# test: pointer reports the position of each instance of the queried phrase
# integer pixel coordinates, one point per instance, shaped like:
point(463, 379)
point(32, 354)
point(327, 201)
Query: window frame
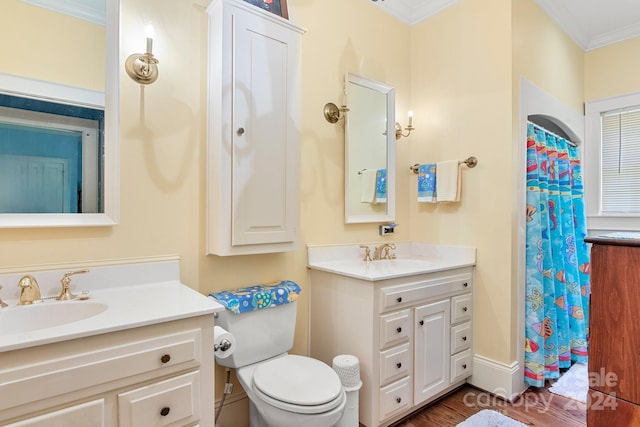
point(596, 219)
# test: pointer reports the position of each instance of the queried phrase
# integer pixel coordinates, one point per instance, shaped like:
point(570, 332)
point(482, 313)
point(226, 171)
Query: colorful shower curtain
point(557, 259)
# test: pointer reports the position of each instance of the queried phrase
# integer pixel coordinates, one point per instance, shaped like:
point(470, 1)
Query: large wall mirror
point(59, 137)
point(370, 150)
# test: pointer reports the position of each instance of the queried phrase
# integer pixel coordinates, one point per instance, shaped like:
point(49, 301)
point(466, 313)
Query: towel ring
point(471, 163)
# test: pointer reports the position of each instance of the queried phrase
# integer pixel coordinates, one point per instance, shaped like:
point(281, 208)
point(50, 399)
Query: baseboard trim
point(500, 379)
point(235, 411)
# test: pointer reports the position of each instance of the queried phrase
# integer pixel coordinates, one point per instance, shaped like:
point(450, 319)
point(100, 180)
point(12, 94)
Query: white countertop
point(131, 305)
point(411, 259)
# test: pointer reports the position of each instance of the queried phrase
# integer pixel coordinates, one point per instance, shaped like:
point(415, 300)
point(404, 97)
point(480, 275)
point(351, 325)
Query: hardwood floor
point(536, 407)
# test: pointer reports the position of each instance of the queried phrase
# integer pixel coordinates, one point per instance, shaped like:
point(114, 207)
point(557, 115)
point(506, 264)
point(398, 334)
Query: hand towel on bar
point(381, 186)
point(368, 185)
point(427, 183)
point(449, 181)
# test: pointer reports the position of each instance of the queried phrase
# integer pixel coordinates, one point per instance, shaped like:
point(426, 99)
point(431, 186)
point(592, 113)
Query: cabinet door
point(265, 146)
point(432, 355)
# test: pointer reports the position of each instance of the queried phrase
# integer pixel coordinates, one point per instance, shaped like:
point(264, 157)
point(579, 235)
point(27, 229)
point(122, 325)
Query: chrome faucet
point(386, 248)
point(30, 291)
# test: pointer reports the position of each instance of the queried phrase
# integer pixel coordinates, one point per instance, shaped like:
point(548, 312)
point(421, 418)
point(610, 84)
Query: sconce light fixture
point(409, 127)
point(143, 67)
point(333, 113)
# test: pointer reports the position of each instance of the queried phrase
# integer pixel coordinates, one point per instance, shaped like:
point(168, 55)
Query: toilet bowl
point(291, 390)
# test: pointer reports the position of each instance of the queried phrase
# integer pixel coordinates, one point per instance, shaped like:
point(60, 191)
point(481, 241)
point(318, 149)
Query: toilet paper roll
point(224, 343)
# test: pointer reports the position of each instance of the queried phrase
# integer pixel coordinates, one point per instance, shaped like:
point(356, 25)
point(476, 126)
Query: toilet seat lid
point(297, 380)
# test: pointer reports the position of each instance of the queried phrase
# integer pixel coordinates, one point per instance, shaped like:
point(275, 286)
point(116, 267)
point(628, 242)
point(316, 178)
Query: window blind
point(621, 161)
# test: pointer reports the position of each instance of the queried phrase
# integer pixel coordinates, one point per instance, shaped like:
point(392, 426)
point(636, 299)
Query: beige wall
point(612, 70)
point(461, 94)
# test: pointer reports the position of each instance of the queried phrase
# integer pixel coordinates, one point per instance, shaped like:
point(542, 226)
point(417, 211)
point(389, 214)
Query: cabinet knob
point(465, 285)
point(399, 365)
point(398, 399)
point(464, 309)
point(240, 131)
point(464, 338)
point(398, 329)
point(165, 358)
point(421, 322)
point(399, 299)
point(464, 366)
point(165, 411)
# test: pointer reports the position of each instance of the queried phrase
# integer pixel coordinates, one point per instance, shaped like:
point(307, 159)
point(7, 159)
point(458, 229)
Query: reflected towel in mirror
point(448, 184)
point(368, 185)
point(427, 183)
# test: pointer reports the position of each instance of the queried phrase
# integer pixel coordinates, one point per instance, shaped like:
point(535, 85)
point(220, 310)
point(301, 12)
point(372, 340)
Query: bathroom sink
point(49, 314)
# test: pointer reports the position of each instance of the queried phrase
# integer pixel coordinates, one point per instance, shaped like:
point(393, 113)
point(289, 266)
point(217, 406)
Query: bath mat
point(573, 384)
point(490, 418)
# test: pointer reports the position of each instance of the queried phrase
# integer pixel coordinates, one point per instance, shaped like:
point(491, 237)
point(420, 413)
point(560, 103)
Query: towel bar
point(471, 162)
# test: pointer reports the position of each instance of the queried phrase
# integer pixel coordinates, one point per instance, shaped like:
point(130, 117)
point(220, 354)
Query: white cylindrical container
point(348, 369)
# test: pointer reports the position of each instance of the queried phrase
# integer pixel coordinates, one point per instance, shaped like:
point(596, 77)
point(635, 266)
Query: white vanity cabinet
point(411, 334)
point(253, 142)
point(157, 375)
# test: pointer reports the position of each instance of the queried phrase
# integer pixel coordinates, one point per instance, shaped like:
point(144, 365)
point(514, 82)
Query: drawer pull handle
point(165, 411)
point(399, 365)
point(398, 329)
point(398, 399)
point(421, 323)
point(464, 366)
point(165, 358)
point(464, 338)
point(399, 299)
point(240, 131)
point(464, 309)
point(465, 285)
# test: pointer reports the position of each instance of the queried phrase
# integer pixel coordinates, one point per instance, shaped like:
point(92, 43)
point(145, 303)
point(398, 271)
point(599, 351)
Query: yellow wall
point(461, 94)
point(44, 45)
point(612, 70)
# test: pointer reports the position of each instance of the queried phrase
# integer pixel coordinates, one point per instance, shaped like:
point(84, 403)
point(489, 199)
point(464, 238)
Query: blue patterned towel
point(427, 183)
point(381, 186)
point(259, 296)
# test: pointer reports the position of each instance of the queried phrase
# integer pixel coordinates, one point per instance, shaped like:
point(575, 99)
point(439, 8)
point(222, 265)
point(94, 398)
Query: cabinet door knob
point(398, 329)
point(399, 365)
point(465, 284)
point(464, 366)
point(464, 338)
point(240, 131)
point(421, 322)
point(464, 309)
point(165, 358)
point(165, 411)
point(398, 399)
point(399, 299)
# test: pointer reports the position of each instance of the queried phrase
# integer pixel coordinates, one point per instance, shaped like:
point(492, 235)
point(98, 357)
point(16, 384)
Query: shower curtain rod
point(571, 143)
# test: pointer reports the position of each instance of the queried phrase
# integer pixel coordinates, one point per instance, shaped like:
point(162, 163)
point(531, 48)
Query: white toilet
point(284, 390)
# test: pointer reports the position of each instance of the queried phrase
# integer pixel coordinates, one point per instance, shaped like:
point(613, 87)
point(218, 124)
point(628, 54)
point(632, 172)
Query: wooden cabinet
point(412, 336)
point(160, 375)
point(614, 347)
point(253, 141)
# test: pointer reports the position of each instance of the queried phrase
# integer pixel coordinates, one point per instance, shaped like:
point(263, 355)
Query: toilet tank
point(262, 333)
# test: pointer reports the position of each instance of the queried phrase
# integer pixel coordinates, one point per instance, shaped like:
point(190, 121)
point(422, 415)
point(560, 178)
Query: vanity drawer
point(394, 296)
point(460, 337)
point(91, 413)
point(461, 366)
point(395, 363)
point(461, 308)
point(395, 327)
point(171, 402)
point(395, 398)
point(120, 362)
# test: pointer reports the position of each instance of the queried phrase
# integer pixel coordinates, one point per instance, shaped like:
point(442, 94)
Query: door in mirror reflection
point(370, 151)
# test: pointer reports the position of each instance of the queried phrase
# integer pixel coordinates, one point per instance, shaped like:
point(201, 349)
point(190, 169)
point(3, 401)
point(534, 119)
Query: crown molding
point(411, 11)
point(88, 10)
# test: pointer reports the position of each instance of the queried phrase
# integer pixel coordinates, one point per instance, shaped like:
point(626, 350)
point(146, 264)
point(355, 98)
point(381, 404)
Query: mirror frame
point(111, 214)
point(390, 93)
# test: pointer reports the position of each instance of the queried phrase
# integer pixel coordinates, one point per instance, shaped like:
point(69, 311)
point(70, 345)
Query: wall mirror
point(369, 150)
point(59, 136)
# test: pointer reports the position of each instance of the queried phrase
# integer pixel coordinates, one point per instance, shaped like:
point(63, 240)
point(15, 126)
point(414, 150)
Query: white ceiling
point(590, 23)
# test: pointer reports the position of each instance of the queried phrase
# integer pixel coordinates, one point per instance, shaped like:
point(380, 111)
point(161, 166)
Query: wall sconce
point(143, 67)
point(333, 113)
point(409, 127)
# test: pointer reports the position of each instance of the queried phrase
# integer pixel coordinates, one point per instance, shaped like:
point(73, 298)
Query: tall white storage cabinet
point(253, 146)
